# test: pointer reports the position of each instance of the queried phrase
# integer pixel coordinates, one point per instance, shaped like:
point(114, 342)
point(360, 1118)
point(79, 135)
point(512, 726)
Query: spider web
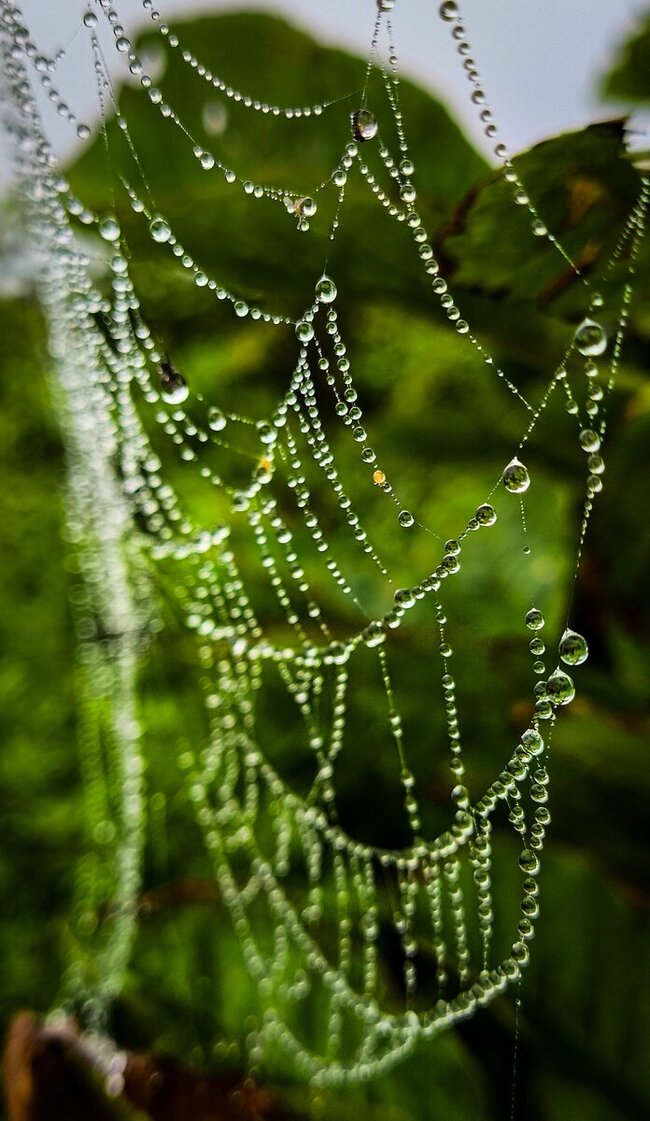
point(315, 907)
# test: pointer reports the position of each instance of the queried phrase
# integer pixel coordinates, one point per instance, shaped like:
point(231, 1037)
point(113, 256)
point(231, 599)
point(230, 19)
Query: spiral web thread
point(112, 382)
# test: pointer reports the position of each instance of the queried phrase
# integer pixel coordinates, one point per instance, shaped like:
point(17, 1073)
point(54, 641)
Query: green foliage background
point(447, 429)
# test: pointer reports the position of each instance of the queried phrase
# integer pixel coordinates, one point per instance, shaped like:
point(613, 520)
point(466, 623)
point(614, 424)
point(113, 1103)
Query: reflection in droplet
point(173, 387)
point(573, 649)
point(560, 689)
point(363, 124)
point(486, 514)
point(374, 634)
point(159, 229)
point(325, 290)
point(109, 229)
point(216, 419)
point(267, 433)
point(449, 10)
point(515, 477)
point(589, 440)
point(590, 339)
point(534, 619)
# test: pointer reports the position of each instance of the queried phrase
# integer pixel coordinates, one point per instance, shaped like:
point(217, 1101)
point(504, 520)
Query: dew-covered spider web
point(283, 596)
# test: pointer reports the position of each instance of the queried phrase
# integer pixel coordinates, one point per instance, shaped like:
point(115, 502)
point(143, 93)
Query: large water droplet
point(404, 597)
point(515, 477)
point(90, 19)
point(267, 433)
point(534, 619)
point(573, 649)
point(406, 519)
point(173, 386)
point(590, 339)
point(338, 653)
point(374, 634)
point(159, 229)
point(532, 741)
point(363, 124)
point(216, 419)
point(109, 229)
point(449, 10)
point(529, 862)
point(560, 689)
point(486, 514)
point(326, 290)
point(306, 207)
point(304, 331)
point(589, 440)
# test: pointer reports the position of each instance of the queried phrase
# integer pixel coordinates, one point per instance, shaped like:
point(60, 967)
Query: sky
point(539, 59)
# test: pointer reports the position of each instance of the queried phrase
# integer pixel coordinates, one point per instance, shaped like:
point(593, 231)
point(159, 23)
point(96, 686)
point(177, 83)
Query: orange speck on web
point(378, 477)
point(265, 463)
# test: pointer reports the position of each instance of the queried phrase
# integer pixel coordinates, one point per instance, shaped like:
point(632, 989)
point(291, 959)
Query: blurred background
point(446, 429)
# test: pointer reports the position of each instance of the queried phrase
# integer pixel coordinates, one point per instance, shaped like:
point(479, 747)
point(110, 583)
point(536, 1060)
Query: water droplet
point(305, 207)
point(532, 741)
point(530, 907)
point(408, 193)
point(123, 44)
point(534, 619)
point(536, 647)
point(449, 10)
point(83, 132)
point(304, 331)
point(207, 161)
point(590, 339)
point(486, 514)
point(406, 519)
point(385, 5)
point(325, 290)
point(573, 649)
point(338, 653)
point(560, 688)
point(173, 387)
point(596, 463)
point(374, 634)
point(339, 177)
point(267, 433)
point(363, 124)
point(589, 440)
point(216, 419)
point(404, 597)
point(109, 229)
point(159, 229)
point(515, 477)
point(90, 19)
point(529, 862)
point(241, 308)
